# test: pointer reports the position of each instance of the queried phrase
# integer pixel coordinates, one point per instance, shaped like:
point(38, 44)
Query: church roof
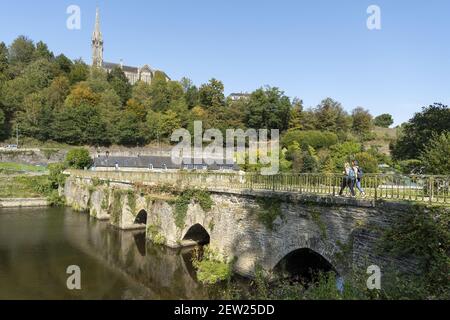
point(110, 66)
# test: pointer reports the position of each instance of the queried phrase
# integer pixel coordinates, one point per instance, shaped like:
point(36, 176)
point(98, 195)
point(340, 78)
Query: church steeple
point(97, 43)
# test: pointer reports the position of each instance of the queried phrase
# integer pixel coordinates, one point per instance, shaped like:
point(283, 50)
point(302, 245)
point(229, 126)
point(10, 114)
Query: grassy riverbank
point(22, 187)
point(11, 168)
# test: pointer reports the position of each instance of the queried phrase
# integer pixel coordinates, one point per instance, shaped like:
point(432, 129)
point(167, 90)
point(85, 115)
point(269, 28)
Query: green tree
point(42, 52)
point(119, 82)
point(21, 51)
point(211, 95)
point(362, 122)
point(78, 158)
point(385, 120)
point(344, 152)
point(295, 121)
point(330, 116)
point(64, 64)
point(268, 109)
point(2, 123)
point(435, 156)
point(367, 162)
point(191, 94)
point(415, 134)
point(79, 72)
point(131, 131)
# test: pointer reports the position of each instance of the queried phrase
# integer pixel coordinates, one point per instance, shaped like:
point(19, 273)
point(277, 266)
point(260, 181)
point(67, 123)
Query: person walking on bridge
point(348, 180)
point(359, 175)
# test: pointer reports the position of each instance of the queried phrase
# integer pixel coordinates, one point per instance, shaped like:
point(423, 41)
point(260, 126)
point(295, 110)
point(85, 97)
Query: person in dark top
point(348, 180)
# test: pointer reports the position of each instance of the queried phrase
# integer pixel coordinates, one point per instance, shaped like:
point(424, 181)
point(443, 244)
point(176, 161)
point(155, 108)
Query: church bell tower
point(97, 43)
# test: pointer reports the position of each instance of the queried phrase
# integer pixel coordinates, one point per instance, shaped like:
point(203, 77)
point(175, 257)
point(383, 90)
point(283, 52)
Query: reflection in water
point(37, 246)
point(139, 240)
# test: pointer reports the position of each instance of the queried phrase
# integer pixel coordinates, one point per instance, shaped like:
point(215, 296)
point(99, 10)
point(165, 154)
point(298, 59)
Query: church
point(134, 74)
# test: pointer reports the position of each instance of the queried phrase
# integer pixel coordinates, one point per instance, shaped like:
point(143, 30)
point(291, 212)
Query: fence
point(431, 189)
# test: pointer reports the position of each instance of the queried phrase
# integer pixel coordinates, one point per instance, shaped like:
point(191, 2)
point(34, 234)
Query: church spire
point(97, 43)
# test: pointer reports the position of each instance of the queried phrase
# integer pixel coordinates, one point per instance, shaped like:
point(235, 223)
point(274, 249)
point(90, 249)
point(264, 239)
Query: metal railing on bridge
point(418, 188)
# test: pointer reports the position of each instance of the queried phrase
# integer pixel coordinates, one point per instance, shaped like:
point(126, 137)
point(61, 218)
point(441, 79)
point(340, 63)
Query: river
point(38, 245)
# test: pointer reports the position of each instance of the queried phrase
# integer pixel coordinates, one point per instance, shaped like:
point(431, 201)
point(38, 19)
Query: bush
point(436, 154)
point(409, 166)
point(315, 139)
point(367, 162)
point(384, 121)
point(78, 158)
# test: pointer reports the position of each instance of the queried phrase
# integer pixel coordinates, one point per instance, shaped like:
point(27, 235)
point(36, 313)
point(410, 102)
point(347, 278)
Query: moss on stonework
point(269, 211)
point(132, 202)
point(105, 200)
point(203, 198)
point(116, 208)
point(94, 213)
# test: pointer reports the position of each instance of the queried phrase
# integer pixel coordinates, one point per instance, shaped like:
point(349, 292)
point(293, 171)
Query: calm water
point(37, 246)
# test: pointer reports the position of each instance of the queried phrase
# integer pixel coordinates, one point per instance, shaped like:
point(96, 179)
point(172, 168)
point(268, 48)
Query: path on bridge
point(423, 189)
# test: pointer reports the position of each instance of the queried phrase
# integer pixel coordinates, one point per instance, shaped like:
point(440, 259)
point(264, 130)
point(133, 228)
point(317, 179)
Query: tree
point(367, 162)
point(21, 51)
point(64, 63)
point(82, 94)
point(2, 123)
point(268, 109)
point(130, 130)
point(344, 152)
point(362, 122)
point(191, 95)
point(3, 57)
point(435, 156)
point(295, 119)
point(79, 72)
point(57, 92)
point(415, 134)
point(211, 95)
point(385, 120)
point(78, 158)
point(330, 116)
point(119, 82)
point(42, 52)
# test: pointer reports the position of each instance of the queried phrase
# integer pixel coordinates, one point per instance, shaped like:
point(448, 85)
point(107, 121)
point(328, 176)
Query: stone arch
point(197, 234)
point(303, 264)
point(141, 217)
point(327, 250)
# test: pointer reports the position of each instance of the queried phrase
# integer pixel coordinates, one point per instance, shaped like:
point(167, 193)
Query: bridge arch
point(303, 265)
point(310, 247)
point(198, 234)
point(141, 217)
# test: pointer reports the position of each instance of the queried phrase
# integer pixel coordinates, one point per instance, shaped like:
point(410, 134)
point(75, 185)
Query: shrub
point(367, 162)
point(78, 158)
point(315, 139)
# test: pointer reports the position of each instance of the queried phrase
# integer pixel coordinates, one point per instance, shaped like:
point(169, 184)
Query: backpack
point(360, 173)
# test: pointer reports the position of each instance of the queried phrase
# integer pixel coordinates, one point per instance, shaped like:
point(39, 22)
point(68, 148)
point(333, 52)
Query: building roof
point(155, 162)
point(110, 66)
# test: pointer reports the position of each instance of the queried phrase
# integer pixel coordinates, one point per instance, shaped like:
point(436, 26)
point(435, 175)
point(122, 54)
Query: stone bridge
point(250, 227)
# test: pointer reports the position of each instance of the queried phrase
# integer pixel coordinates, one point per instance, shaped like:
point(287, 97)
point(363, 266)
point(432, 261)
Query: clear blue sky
point(311, 49)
